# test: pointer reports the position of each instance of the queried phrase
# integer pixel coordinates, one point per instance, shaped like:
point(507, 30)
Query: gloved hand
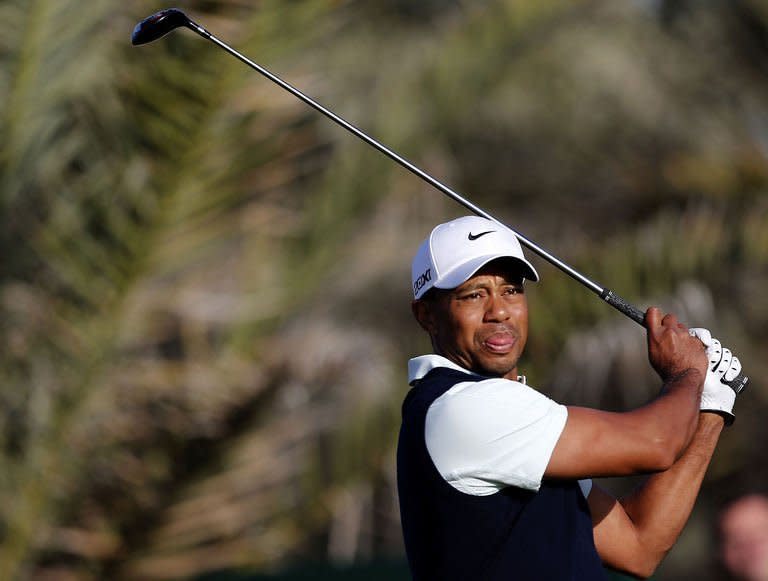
point(718, 396)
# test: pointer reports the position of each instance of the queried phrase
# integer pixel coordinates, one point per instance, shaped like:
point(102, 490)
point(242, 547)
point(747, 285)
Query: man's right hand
point(672, 351)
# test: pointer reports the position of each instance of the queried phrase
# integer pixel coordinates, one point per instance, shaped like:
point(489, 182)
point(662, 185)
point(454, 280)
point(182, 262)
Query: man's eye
point(515, 290)
point(470, 296)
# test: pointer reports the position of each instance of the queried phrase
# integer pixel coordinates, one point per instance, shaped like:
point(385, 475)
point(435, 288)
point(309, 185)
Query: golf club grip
point(623, 306)
point(737, 384)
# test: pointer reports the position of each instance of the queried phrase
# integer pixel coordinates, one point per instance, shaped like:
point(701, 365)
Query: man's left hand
point(723, 366)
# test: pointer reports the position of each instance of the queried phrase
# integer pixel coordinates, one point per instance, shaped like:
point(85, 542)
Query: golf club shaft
point(606, 294)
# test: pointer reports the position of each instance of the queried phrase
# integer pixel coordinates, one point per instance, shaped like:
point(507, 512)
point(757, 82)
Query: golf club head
point(157, 25)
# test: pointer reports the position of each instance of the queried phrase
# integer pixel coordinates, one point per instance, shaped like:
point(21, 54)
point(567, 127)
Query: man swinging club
point(494, 478)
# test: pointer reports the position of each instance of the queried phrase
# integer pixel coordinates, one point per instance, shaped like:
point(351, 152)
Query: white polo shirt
point(486, 435)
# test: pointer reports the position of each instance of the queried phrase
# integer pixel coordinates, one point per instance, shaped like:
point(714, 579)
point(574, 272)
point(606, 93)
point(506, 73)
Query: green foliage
point(204, 287)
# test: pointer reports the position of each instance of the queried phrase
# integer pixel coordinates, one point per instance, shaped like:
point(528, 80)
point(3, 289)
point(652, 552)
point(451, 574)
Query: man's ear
point(423, 313)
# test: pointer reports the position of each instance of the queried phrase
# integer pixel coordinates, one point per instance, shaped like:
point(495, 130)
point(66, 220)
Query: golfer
point(494, 477)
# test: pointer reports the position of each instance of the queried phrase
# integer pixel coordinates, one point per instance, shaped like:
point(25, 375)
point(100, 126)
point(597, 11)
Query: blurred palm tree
point(154, 271)
point(204, 285)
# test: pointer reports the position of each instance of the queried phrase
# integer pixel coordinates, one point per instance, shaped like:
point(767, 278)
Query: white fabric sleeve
point(486, 435)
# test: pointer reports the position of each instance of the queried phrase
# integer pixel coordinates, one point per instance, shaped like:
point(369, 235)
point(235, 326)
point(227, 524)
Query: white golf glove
point(718, 396)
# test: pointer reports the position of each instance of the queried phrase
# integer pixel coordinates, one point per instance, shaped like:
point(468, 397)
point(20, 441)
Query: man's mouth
point(500, 342)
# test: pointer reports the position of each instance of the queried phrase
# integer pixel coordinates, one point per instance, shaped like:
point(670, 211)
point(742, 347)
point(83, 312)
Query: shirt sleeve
point(486, 435)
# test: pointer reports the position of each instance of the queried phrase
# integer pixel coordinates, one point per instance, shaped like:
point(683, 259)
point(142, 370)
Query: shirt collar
point(418, 367)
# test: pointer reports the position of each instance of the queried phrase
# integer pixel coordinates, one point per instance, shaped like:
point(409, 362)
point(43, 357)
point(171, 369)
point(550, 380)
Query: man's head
point(743, 528)
point(468, 289)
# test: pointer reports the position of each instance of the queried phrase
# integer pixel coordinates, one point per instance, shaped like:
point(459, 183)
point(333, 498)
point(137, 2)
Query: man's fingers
point(702, 335)
point(658, 324)
point(715, 354)
point(653, 317)
point(671, 348)
point(670, 320)
point(733, 370)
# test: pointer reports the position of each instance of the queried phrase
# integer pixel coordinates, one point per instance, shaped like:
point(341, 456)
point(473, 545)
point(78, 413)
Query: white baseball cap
point(456, 250)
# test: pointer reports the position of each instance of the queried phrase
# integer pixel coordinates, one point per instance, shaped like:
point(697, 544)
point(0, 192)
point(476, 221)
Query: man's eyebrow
point(470, 287)
point(479, 284)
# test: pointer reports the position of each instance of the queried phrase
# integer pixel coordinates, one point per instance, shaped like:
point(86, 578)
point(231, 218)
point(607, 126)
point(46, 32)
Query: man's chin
point(496, 368)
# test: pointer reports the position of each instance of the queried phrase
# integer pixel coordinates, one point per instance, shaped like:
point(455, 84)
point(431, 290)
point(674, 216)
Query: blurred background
point(204, 285)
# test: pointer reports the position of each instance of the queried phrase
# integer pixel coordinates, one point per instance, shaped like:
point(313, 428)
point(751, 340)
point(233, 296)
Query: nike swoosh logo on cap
point(476, 236)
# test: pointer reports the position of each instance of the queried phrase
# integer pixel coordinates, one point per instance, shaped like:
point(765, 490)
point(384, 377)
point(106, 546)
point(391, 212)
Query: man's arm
point(634, 534)
point(650, 438)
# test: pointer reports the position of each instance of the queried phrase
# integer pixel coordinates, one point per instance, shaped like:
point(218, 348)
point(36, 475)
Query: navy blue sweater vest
point(513, 535)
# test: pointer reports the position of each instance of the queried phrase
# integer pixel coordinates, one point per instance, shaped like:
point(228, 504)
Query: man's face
point(481, 325)
point(744, 538)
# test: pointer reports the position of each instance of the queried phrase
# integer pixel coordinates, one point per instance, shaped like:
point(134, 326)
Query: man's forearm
point(660, 507)
point(674, 415)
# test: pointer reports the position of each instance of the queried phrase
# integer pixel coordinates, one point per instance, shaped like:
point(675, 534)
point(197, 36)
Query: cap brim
point(464, 271)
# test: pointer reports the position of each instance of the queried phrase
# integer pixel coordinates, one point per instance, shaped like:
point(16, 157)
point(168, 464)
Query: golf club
point(165, 21)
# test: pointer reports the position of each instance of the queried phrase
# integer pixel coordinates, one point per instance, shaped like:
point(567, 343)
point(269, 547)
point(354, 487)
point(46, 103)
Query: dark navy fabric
point(513, 535)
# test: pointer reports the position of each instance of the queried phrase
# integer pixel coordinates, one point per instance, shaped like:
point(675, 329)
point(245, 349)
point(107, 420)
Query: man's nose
point(496, 309)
